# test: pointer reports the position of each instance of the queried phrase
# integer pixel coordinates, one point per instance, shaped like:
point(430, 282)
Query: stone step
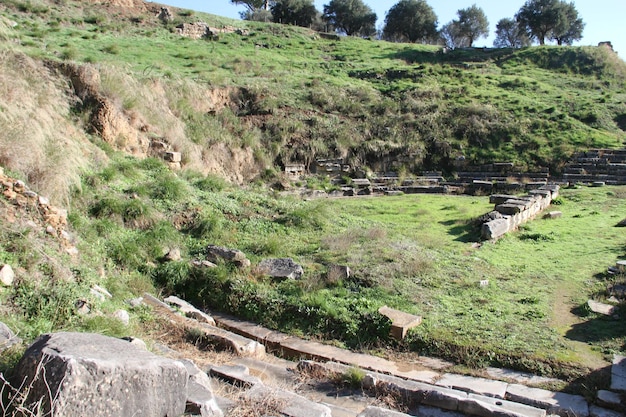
point(289, 403)
point(565, 405)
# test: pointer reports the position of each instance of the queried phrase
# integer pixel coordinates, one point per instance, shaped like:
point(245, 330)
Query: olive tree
point(352, 17)
point(412, 21)
point(551, 19)
point(510, 35)
point(294, 12)
point(472, 24)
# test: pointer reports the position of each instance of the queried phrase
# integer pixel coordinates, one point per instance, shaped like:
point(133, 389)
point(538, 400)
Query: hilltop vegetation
point(90, 93)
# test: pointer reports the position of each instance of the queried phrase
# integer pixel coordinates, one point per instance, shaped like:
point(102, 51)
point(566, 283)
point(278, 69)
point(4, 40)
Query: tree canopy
point(252, 5)
point(294, 12)
point(552, 19)
point(472, 24)
point(411, 20)
point(510, 35)
point(353, 17)
point(451, 36)
point(569, 27)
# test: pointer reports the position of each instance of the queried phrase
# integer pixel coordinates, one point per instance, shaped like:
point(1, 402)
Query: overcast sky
point(605, 19)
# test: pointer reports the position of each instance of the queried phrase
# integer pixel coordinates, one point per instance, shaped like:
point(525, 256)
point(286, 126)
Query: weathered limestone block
point(492, 215)
point(565, 405)
point(510, 208)
point(237, 375)
point(281, 268)
point(293, 405)
point(553, 215)
point(494, 229)
point(601, 308)
point(618, 373)
point(401, 322)
point(500, 198)
point(95, 375)
point(173, 156)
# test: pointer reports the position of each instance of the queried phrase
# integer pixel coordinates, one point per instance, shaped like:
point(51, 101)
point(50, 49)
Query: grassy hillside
point(292, 95)
point(89, 94)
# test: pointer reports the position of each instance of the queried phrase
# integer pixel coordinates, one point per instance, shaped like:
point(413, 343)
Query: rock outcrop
point(82, 374)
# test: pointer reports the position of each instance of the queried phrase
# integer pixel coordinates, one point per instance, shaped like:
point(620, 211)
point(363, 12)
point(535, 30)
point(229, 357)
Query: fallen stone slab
point(372, 411)
point(401, 322)
point(84, 374)
point(237, 375)
point(618, 373)
point(482, 406)
point(291, 404)
point(601, 308)
point(553, 215)
point(565, 405)
point(189, 310)
point(610, 399)
point(487, 387)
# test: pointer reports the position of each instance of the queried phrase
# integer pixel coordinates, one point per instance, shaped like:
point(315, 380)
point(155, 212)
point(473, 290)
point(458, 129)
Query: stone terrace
point(599, 165)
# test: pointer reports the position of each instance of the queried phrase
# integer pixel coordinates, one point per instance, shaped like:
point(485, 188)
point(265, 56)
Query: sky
point(605, 19)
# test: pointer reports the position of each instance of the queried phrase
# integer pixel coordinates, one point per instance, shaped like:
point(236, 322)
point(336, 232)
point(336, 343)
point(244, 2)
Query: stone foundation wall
point(512, 211)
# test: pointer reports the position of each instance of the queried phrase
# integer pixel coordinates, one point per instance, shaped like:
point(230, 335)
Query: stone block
point(82, 374)
point(189, 310)
point(237, 375)
point(494, 229)
point(291, 404)
point(477, 405)
point(601, 308)
point(500, 198)
point(200, 398)
point(610, 399)
point(380, 412)
point(401, 322)
point(510, 208)
point(553, 215)
point(565, 405)
point(487, 387)
point(595, 411)
point(618, 373)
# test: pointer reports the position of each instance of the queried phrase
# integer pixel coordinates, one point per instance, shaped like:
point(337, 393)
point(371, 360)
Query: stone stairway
point(425, 389)
point(599, 165)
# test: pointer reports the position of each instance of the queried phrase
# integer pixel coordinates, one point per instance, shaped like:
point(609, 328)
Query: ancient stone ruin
point(512, 211)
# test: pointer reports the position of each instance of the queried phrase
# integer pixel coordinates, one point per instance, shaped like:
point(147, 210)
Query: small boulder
point(7, 275)
point(281, 268)
point(123, 316)
point(215, 253)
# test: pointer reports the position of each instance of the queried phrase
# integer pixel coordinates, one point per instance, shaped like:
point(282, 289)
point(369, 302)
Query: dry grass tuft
point(38, 140)
point(247, 407)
